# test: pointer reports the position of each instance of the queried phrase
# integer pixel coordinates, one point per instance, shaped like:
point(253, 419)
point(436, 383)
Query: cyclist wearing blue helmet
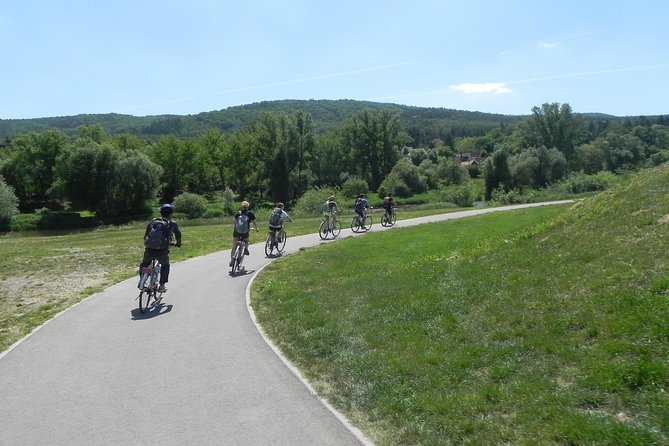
point(157, 238)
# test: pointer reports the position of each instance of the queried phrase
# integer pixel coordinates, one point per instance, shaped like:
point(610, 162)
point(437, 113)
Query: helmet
point(245, 204)
point(166, 210)
point(331, 198)
point(280, 205)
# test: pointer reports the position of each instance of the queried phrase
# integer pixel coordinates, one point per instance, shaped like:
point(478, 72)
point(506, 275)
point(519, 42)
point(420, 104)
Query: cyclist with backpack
point(361, 205)
point(157, 237)
point(242, 223)
point(276, 220)
point(330, 209)
point(388, 204)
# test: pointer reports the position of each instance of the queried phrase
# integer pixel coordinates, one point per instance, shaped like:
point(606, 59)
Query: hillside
point(326, 115)
point(502, 329)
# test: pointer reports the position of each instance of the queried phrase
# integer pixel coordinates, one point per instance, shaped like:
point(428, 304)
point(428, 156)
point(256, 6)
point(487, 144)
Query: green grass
point(543, 326)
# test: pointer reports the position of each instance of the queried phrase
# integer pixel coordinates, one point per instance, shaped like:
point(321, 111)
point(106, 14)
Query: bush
point(354, 187)
point(579, 183)
point(192, 205)
point(462, 195)
point(311, 202)
point(513, 196)
point(396, 186)
point(228, 202)
point(52, 220)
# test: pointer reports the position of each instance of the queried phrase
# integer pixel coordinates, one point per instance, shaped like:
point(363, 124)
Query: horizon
point(152, 58)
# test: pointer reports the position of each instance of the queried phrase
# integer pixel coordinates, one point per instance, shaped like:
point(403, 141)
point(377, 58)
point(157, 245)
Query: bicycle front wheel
point(393, 219)
point(281, 245)
point(144, 299)
point(336, 228)
point(323, 230)
point(367, 224)
point(268, 246)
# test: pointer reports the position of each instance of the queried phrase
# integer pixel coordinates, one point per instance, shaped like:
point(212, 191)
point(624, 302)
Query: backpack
point(242, 223)
point(275, 218)
point(326, 207)
point(386, 201)
point(358, 205)
point(158, 236)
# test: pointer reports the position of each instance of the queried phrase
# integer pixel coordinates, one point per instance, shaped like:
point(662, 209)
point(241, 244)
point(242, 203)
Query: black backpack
point(159, 234)
point(275, 218)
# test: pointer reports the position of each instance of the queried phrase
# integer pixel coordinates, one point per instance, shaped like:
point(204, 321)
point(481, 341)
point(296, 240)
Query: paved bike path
point(194, 370)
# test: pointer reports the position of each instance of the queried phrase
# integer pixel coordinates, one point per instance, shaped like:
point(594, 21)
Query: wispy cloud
point(495, 88)
point(315, 78)
point(549, 45)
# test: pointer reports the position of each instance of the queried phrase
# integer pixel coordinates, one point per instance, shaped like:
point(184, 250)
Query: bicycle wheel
point(367, 223)
point(336, 228)
point(145, 295)
point(268, 246)
point(280, 246)
point(235, 260)
point(384, 220)
point(393, 219)
point(323, 230)
point(355, 224)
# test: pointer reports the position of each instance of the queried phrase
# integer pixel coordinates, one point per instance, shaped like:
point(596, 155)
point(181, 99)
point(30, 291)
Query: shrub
point(228, 201)
point(579, 183)
point(513, 196)
point(192, 205)
point(354, 187)
point(311, 202)
point(396, 186)
point(462, 195)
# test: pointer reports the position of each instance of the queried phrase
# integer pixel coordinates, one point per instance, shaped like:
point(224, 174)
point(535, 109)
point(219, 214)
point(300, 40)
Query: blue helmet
point(166, 210)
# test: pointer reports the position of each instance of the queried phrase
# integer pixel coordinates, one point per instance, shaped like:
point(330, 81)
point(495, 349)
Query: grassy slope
point(504, 329)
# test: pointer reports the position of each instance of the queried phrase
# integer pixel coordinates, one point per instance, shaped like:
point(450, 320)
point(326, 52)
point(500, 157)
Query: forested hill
point(326, 115)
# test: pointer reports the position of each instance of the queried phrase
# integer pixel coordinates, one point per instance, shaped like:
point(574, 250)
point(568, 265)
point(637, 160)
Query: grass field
point(538, 327)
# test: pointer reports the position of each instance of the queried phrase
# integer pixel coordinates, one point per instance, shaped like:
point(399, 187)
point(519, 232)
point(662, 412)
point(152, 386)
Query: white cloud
point(549, 45)
point(495, 88)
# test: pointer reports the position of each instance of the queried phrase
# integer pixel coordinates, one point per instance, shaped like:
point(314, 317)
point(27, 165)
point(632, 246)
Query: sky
point(155, 57)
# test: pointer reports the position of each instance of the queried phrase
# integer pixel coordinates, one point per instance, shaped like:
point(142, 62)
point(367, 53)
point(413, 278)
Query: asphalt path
point(194, 370)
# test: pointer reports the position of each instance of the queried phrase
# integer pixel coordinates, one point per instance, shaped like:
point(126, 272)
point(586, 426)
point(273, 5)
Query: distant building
point(471, 158)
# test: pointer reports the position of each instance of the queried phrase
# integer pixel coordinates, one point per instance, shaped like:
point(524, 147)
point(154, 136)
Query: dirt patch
point(664, 219)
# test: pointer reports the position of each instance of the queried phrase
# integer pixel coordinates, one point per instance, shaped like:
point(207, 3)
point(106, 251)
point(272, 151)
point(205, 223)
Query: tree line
point(280, 156)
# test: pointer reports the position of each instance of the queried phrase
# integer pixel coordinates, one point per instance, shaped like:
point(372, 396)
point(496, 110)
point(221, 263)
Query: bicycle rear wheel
point(323, 230)
point(367, 223)
point(280, 246)
point(336, 228)
point(355, 224)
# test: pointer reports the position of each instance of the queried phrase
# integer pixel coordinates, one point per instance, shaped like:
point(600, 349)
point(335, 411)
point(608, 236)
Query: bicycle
point(364, 224)
point(273, 241)
point(238, 256)
point(329, 227)
point(389, 219)
point(148, 286)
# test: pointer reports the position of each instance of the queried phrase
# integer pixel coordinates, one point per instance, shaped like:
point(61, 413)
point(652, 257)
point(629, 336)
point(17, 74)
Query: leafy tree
point(497, 173)
point(240, 162)
point(354, 187)
point(29, 168)
point(86, 173)
point(375, 138)
point(591, 157)
point(554, 125)
point(136, 180)
point(301, 150)
point(410, 175)
point(537, 167)
point(9, 204)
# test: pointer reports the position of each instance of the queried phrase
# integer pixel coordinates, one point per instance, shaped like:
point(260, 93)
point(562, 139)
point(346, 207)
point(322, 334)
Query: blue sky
point(152, 57)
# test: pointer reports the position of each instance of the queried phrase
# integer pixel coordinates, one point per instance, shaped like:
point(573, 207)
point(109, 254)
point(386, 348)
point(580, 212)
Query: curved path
point(195, 370)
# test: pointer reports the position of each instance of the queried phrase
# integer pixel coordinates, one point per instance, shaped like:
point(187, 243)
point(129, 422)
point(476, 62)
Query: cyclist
point(388, 205)
point(276, 220)
point(330, 210)
point(242, 223)
point(361, 205)
point(157, 237)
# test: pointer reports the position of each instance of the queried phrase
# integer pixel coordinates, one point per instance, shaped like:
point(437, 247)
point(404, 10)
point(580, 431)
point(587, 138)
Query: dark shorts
point(244, 236)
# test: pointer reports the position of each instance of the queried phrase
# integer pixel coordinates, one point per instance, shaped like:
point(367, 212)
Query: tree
point(497, 172)
point(9, 204)
point(554, 125)
point(136, 180)
point(302, 149)
point(30, 167)
point(375, 138)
